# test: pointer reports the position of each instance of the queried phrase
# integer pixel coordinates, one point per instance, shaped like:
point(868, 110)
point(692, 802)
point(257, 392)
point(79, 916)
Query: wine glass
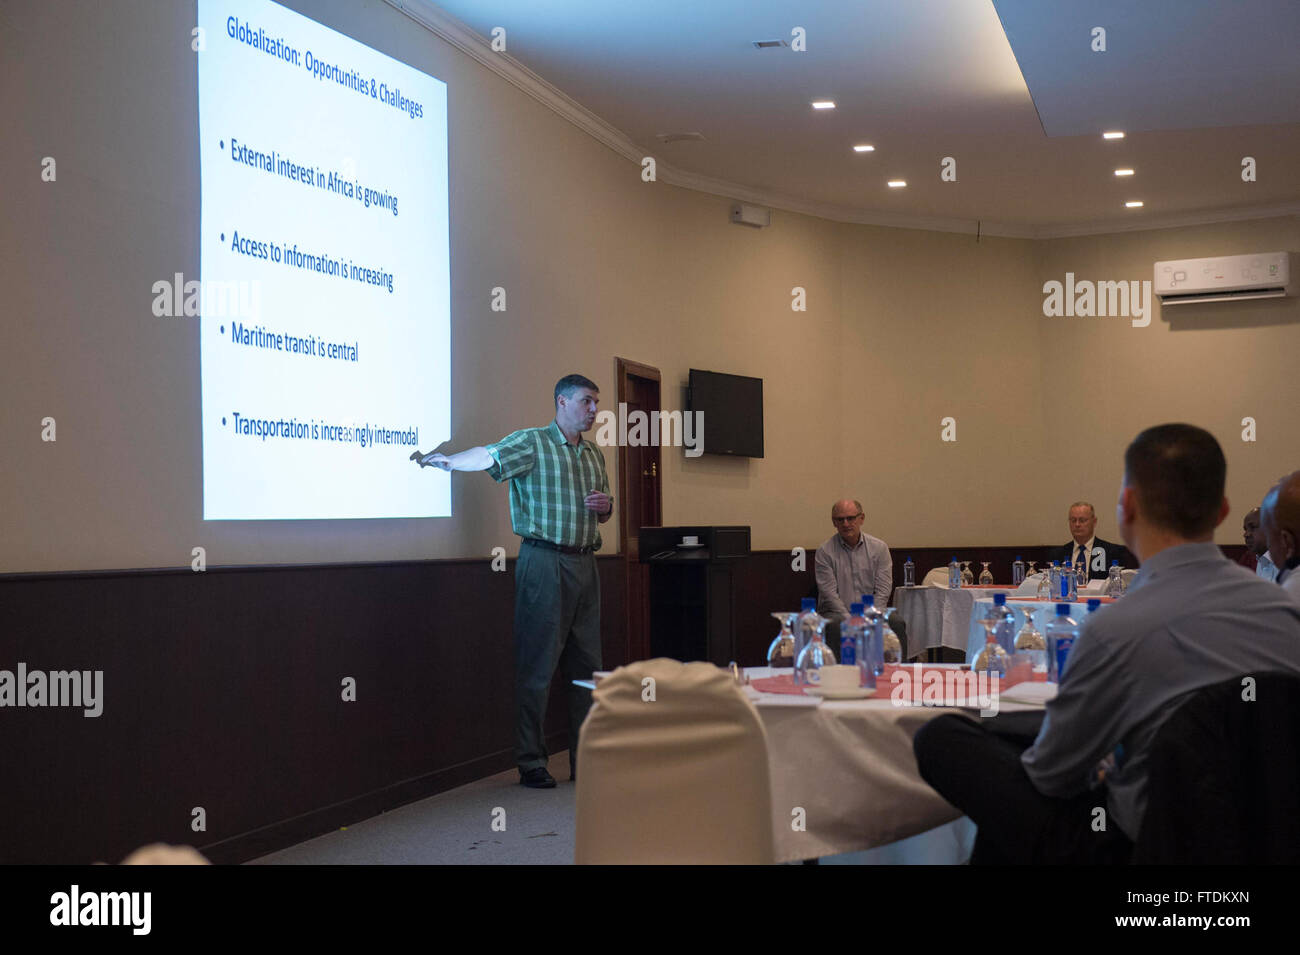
point(1033, 568)
point(781, 651)
point(1045, 587)
point(986, 578)
point(967, 578)
point(1029, 641)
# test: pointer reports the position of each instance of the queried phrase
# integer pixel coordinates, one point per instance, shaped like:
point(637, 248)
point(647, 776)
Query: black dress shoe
point(537, 778)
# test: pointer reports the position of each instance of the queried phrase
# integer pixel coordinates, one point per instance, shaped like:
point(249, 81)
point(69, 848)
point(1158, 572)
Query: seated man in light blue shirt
point(851, 564)
point(1191, 619)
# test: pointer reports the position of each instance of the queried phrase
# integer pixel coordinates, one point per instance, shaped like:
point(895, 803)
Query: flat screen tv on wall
point(732, 409)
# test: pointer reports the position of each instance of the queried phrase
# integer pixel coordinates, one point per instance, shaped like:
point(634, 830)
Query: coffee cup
point(691, 541)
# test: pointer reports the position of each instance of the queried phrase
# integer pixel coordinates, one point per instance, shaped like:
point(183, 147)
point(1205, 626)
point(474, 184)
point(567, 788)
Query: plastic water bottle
point(851, 635)
point(855, 645)
point(909, 573)
point(808, 666)
point(1093, 604)
point(1115, 582)
point(1017, 572)
point(954, 574)
point(805, 625)
point(874, 652)
point(1061, 634)
point(1055, 573)
point(1005, 628)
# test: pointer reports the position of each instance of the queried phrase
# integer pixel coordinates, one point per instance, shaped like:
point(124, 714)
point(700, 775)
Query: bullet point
point(223, 420)
point(222, 144)
point(223, 237)
point(223, 329)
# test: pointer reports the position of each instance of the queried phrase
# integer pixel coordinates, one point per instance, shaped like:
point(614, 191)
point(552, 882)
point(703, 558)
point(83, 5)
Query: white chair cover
point(936, 578)
point(679, 779)
point(1029, 586)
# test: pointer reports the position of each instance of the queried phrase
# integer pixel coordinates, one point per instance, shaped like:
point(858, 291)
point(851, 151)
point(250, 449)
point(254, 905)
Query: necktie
point(1081, 561)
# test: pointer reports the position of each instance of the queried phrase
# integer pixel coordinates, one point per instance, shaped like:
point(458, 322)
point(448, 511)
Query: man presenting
point(1088, 550)
point(1191, 619)
point(559, 493)
point(849, 565)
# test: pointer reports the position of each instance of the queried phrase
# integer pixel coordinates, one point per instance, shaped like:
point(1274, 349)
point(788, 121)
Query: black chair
point(1224, 783)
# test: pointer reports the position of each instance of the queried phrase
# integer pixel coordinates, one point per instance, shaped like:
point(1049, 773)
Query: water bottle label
point(1062, 651)
point(848, 651)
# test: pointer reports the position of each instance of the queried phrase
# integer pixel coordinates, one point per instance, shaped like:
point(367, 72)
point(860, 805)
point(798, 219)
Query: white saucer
point(689, 546)
point(857, 693)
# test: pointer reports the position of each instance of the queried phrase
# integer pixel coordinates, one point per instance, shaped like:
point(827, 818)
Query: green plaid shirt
point(548, 480)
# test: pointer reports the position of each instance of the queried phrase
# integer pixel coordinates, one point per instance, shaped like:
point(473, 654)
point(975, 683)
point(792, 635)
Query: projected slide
point(325, 330)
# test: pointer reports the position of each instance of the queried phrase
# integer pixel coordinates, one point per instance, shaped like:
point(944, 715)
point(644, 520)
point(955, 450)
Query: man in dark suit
point(1087, 548)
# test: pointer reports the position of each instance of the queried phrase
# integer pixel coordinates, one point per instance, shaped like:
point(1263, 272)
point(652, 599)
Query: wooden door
point(641, 498)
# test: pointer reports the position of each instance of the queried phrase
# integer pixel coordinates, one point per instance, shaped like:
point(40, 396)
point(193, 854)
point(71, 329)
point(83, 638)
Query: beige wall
point(902, 329)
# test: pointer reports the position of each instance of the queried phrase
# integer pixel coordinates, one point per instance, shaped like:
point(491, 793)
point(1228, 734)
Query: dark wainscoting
point(222, 690)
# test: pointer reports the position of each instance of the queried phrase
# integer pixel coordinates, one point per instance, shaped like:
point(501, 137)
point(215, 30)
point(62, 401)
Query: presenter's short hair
point(1179, 473)
point(570, 383)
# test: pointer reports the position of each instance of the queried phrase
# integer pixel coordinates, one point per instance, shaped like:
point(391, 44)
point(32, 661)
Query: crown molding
point(445, 26)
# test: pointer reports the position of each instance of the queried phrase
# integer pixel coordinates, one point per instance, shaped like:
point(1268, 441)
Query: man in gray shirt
point(851, 564)
point(1190, 619)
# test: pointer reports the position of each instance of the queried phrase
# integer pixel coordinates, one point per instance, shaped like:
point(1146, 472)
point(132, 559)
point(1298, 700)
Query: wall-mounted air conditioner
point(1227, 278)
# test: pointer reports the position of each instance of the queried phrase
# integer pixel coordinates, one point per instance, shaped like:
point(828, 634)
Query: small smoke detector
point(680, 137)
point(769, 44)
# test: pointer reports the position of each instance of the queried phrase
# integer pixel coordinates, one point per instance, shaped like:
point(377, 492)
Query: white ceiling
point(926, 79)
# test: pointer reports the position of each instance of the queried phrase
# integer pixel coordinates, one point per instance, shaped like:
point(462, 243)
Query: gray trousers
point(557, 622)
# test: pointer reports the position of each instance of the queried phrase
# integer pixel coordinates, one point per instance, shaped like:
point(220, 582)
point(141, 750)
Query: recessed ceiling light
point(864, 148)
point(897, 183)
point(823, 104)
point(1134, 204)
point(1123, 172)
point(1112, 135)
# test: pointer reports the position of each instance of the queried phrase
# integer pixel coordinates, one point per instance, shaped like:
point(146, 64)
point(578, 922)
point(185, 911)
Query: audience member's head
point(159, 853)
point(847, 517)
point(1174, 475)
point(1250, 533)
point(1280, 521)
point(1083, 521)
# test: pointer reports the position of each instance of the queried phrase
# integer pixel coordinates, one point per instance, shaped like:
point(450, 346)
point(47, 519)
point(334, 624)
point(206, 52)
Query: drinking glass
point(781, 651)
point(986, 578)
point(967, 578)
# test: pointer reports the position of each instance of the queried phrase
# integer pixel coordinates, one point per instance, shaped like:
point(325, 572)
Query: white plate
point(857, 693)
point(689, 546)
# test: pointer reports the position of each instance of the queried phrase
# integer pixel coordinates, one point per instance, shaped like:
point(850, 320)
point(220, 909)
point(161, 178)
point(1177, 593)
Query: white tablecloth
point(849, 767)
point(938, 617)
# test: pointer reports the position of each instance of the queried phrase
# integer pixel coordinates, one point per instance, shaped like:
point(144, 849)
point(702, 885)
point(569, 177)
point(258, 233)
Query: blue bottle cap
point(1017, 556)
point(855, 609)
point(1114, 563)
point(1093, 603)
point(1062, 610)
point(868, 600)
point(999, 600)
point(809, 603)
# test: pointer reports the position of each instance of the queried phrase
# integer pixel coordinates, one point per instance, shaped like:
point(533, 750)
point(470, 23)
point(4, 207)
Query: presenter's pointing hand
point(598, 502)
point(432, 459)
